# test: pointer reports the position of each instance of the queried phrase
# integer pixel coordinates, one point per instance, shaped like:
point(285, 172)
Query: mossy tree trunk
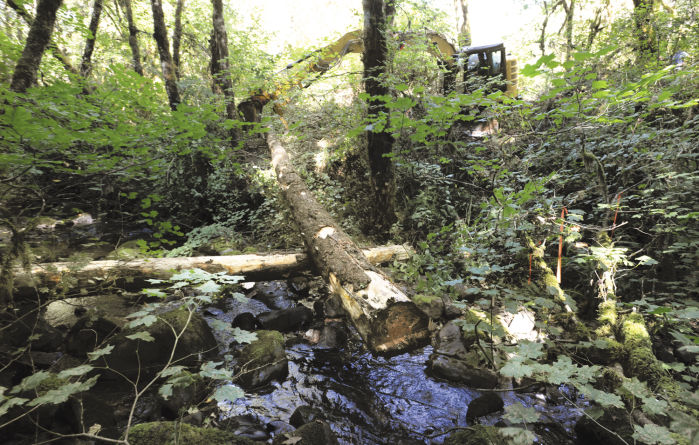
point(177, 37)
point(37, 40)
point(463, 25)
point(645, 28)
point(160, 35)
point(133, 38)
point(86, 63)
point(56, 52)
point(379, 143)
point(220, 69)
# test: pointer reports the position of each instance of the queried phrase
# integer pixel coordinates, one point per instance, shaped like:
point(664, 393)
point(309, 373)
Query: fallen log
point(253, 267)
point(385, 317)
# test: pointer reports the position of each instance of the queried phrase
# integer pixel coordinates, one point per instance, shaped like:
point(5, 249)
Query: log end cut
point(400, 327)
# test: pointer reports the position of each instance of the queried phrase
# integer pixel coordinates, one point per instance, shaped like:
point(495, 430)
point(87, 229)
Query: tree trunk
point(160, 35)
point(177, 37)
point(37, 40)
point(57, 53)
point(570, 15)
point(463, 26)
point(385, 317)
point(86, 64)
point(219, 64)
point(253, 267)
point(133, 38)
point(645, 29)
point(380, 143)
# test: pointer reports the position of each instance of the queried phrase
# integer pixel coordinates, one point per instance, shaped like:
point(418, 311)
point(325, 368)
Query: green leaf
point(516, 369)
point(604, 399)
point(60, 395)
point(9, 403)
point(97, 353)
point(210, 287)
point(146, 321)
point(155, 293)
point(165, 391)
point(652, 434)
point(142, 335)
point(228, 392)
point(517, 436)
point(74, 372)
point(530, 349)
point(654, 406)
point(242, 336)
point(31, 382)
point(518, 413)
point(172, 370)
point(635, 387)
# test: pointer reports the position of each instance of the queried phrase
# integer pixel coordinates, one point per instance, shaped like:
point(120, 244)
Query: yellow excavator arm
point(324, 59)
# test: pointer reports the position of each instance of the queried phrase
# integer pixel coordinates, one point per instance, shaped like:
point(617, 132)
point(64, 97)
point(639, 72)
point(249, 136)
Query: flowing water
point(369, 399)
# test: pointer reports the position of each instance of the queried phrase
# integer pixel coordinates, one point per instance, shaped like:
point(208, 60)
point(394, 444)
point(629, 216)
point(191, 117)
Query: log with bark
point(253, 267)
point(385, 317)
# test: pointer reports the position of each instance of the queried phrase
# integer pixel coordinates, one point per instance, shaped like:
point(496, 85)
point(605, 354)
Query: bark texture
point(385, 317)
point(379, 144)
point(220, 69)
point(86, 63)
point(133, 38)
point(160, 34)
point(37, 40)
point(177, 37)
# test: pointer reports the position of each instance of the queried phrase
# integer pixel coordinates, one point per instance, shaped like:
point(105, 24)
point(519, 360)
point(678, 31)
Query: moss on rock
point(262, 360)
point(162, 433)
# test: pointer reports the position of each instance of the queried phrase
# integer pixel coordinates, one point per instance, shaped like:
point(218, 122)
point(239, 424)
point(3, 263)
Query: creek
point(370, 399)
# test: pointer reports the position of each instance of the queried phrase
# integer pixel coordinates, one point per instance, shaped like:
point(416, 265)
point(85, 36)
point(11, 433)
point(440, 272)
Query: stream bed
point(369, 399)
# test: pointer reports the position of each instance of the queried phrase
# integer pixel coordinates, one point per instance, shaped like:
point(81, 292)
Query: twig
point(478, 342)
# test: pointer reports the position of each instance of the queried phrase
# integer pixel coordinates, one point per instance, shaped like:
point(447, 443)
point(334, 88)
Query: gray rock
point(450, 341)
point(304, 414)
point(286, 320)
point(481, 406)
point(456, 370)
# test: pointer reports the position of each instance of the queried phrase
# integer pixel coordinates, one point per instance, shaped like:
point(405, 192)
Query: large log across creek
point(253, 267)
point(385, 317)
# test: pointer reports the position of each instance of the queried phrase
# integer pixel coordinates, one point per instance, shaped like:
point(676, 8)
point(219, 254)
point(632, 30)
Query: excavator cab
point(489, 61)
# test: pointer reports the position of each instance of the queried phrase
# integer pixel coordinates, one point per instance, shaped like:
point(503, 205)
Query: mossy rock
point(134, 357)
point(263, 360)
point(431, 305)
point(476, 435)
point(162, 433)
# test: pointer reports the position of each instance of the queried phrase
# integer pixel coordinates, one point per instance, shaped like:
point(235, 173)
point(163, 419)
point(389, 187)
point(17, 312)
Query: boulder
point(329, 307)
point(431, 305)
point(457, 370)
point(163, 433)
point(246, 321)
point(262, 361)
point(246, 425)
point(88, 333)
point(286, 320)
point(134, 357)
point(595, 432)
point(274, 294)
point(314, 433)
point(488, 403)
point(450, 342)
point(304, 414)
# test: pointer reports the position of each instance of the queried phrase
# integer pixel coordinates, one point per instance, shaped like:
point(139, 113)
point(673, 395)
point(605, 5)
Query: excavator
point(488, 61)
